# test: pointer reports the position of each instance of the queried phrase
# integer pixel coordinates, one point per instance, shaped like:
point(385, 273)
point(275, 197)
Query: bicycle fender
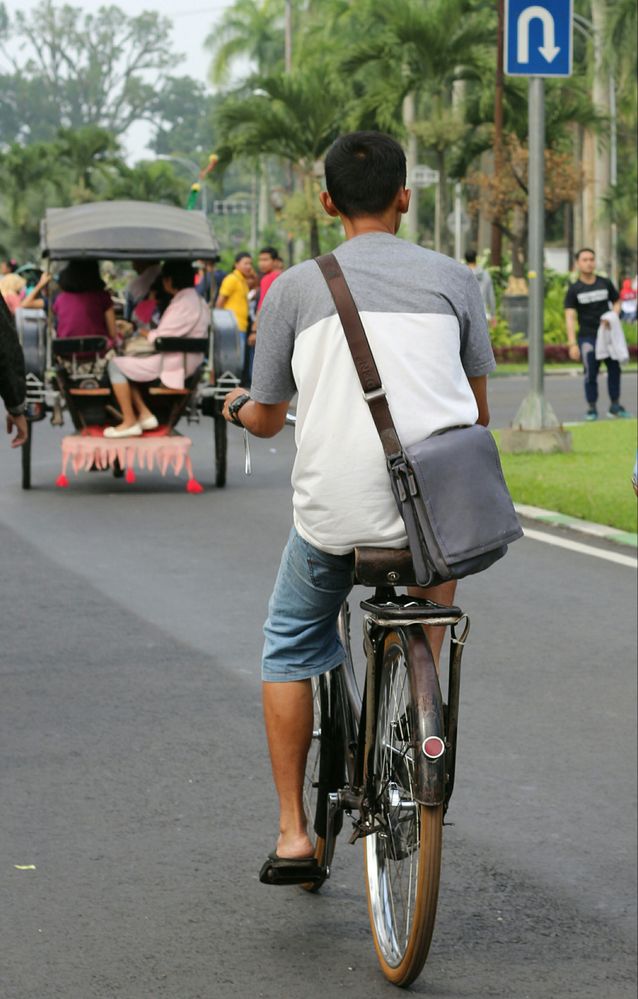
point(428, 725)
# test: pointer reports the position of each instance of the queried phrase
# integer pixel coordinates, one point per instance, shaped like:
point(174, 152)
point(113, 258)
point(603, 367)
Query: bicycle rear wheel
point(325, 767)
point(403, 857)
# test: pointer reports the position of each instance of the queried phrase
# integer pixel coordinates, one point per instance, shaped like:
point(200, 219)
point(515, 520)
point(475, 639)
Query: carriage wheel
point(26, 457)
point(220, 431)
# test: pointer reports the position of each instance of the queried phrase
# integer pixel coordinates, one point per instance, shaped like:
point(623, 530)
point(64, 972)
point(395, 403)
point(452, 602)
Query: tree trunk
point(578, 203)
point(409, 117)
point(441, 234)
point(600, 96)
point(315, 245)
point(519, 244)
point(262, 221)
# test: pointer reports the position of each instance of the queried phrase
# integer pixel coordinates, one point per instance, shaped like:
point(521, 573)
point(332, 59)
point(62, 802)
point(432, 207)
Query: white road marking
point(576, 546)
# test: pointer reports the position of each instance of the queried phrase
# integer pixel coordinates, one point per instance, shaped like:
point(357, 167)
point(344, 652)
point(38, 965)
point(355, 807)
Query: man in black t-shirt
point(587, 300)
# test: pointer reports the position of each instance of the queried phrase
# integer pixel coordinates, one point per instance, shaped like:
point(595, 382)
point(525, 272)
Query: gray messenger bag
point(449, 488)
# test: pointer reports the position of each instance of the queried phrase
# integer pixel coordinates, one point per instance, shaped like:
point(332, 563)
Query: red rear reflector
point(433, 747)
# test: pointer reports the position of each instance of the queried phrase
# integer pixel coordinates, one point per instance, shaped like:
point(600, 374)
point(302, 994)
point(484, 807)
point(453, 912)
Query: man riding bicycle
point(424, 317)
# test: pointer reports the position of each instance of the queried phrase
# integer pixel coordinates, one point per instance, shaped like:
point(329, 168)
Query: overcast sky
point(192, 22)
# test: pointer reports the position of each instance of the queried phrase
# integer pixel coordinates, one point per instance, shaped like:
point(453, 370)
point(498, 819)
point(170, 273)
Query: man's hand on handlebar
point(233, 394)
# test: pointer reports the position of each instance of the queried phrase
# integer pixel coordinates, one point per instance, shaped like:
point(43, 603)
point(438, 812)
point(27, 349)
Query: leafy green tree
point(102, 69)
point(89, 156)
point(148, 181)
point(184, 117)
point(418, 51)
point(29, 179)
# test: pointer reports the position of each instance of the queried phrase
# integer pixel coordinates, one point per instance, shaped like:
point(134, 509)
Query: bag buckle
point(377, 393)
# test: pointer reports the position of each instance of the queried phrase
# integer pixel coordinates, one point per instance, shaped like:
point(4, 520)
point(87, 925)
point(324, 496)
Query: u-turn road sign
point(538, 37)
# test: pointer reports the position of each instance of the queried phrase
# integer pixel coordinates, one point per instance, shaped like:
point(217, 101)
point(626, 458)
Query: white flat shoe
point(134, 431)
point(149, 423)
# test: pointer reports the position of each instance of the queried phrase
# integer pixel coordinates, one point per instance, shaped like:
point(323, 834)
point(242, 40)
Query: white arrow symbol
point(548, 50)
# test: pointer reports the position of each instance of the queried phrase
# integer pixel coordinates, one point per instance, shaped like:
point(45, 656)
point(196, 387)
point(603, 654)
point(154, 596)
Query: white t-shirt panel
point(342, 496)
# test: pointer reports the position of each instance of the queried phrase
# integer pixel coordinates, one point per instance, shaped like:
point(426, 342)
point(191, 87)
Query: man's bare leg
point(442, 594)
point(288, 714)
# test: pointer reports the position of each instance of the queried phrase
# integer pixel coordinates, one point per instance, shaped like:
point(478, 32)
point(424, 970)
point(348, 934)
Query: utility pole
point(288, 36)
point(288, 69)
point(497, 236)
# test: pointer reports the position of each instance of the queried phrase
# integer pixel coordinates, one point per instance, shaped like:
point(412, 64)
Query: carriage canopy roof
point(126, 230)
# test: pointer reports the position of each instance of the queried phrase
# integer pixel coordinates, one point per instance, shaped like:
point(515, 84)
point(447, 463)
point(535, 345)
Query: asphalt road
point(134, 773)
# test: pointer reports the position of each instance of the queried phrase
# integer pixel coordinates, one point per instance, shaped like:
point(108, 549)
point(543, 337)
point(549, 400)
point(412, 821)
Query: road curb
point(602, 531)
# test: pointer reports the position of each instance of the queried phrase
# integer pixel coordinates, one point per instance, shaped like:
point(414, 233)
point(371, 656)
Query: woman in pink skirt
point(187, 315)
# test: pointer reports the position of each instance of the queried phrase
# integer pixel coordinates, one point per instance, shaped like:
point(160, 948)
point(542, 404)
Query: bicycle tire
point(25, 457)
point(220, 437)
point(325, 765)
point(402, 902)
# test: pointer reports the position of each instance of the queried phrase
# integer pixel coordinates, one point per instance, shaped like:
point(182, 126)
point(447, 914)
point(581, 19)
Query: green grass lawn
point(592, 482)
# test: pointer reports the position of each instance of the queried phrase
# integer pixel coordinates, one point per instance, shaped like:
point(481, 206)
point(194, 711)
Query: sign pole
point(535, 426)
point(536, 242)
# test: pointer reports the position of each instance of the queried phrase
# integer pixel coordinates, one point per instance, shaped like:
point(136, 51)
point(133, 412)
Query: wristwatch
point(235, 406)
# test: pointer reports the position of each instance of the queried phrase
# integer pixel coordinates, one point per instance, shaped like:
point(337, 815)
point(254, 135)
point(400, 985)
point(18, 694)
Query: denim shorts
point(301, 631)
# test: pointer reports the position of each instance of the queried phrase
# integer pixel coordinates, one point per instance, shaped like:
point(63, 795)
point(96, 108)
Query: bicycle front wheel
point(403, 855)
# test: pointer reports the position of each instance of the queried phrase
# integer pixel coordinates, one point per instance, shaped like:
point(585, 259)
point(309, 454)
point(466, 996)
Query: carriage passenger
point(84, 307)
point(187, 315)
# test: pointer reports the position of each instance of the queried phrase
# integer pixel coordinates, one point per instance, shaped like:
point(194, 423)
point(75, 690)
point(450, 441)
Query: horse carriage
point(68, 376)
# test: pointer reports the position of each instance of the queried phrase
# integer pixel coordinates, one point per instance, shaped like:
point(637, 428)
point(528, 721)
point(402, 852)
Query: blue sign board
point(538, 37)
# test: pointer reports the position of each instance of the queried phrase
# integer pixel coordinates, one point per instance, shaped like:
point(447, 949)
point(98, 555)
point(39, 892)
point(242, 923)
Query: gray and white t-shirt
point(425, 321)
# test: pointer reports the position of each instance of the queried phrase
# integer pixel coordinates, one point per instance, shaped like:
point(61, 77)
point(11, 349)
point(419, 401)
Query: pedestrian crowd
point(82, 305)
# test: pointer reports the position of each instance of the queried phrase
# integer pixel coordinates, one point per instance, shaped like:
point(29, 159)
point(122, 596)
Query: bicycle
point(387, 758)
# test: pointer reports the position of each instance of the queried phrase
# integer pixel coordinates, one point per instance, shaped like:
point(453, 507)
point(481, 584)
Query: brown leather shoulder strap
point(373, 391)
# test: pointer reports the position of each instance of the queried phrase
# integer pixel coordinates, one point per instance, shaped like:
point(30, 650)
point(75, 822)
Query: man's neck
point(587, 278)
point(365, 224)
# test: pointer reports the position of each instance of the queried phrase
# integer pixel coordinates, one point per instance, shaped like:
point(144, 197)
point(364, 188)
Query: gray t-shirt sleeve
point(477, 355)
point(272, 379)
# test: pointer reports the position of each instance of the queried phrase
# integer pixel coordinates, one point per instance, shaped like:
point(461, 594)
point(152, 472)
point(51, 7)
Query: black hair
point(470, 256)
point(240, 256)
point(364, 172)
point(584, 249)
point(81, 275)
point(271, 251)
point(180, 272)
point(12, 264)
point(161, 295)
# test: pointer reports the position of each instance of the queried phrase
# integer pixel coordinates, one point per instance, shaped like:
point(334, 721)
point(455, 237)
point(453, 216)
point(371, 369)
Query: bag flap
point(461, 483)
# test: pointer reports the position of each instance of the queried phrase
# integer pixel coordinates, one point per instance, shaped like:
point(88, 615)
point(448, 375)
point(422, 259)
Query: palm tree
point(89, 154)
point(249, 29)
point(410, 57)
point(293, 116)
point(148, 181)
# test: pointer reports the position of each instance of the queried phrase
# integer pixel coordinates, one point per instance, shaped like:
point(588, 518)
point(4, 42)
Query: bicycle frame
point(435, 777)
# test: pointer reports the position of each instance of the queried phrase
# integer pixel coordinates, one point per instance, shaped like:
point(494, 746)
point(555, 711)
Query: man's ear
point(328, 204)
point(403, 200)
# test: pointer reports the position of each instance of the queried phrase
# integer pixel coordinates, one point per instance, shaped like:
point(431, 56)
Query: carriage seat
point(74, 346)
point(179, 345)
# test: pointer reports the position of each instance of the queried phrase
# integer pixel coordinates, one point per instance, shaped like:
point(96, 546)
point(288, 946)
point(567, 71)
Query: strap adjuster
point(377, 393)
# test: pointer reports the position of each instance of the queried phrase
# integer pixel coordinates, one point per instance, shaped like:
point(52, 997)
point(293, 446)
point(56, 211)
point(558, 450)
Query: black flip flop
point(291, 871)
